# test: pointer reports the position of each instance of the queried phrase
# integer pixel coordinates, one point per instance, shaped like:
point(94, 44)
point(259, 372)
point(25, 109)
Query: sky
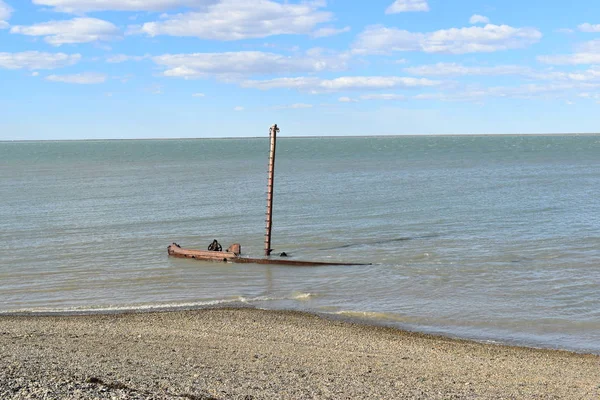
point(109, 69)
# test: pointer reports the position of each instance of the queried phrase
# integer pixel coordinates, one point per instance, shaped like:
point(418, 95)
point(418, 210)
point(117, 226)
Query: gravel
point(256, 354)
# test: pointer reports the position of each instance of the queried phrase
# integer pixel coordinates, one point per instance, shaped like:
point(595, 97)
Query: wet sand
point(256, 354)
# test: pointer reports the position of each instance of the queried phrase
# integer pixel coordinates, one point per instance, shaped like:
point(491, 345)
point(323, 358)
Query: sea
point(490, 238)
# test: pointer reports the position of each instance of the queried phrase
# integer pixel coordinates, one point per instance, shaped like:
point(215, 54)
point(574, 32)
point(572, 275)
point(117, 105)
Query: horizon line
point(304, 137)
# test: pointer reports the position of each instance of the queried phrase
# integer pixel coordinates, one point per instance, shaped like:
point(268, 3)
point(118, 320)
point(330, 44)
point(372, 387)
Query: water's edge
point(367, 323)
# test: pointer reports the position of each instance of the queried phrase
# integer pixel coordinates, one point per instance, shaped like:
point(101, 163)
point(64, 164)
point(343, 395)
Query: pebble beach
point(256, 354)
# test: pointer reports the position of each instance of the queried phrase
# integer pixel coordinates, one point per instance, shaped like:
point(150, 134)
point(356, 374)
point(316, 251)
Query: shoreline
point(334, 317)
point(248, 353)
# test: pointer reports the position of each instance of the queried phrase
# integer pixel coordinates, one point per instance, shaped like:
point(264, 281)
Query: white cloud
point(34, 60)
point(475, 39)
point(244, 63)
point(530, 91)
point(527, 91)
point(300, 105)
point(240, 19)
point(85, 78)
point(565, 30)
point(324, 32)
point(592, 46)
point(586, 53)
point(479, 19)
point(198, 95)
point(400, 6)
point(571, 59)
point(317, 85)
point(82, 6)
point(592, 74)
point(454, 69)
point(238, 108)
point(347, 100)
point(120, 58)
point(590, 96)
point(589, 28)
point(5, 13)
point(77, 30)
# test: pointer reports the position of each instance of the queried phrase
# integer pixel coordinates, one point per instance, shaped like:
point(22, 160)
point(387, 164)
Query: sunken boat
point(233, 253)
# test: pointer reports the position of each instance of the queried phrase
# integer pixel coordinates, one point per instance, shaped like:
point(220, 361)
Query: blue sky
point(84, 69)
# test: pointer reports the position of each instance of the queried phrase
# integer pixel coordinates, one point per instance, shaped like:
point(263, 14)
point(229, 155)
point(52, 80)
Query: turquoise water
point(486, 237)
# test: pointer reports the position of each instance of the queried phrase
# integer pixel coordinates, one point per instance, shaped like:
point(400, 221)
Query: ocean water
point(494, 238)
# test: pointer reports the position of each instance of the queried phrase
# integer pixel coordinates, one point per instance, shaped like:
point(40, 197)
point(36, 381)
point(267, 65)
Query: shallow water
point(485, 237)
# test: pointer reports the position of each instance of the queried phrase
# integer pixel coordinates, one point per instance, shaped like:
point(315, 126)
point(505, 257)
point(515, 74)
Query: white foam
point(142, 307)
point(158, 307)
point(370, 315)
point(302, 296)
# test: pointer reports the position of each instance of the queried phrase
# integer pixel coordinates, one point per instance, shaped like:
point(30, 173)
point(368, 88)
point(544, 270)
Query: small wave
point(380, 316)
point(258, 298)
point(134, 308)
point(423, 256)
point(302, 296)
point(155, 307)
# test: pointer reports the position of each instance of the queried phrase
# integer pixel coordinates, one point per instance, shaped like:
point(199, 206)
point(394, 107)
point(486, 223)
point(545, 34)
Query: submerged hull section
point(229, 256)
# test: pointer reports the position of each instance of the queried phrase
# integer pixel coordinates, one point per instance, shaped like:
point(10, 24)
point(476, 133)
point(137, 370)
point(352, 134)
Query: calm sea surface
point(491, 237)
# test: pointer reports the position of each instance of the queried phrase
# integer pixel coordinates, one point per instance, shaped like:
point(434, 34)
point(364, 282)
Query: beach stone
point(258, 354)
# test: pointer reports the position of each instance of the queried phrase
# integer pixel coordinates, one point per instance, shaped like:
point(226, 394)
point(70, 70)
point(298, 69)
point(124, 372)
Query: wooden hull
point(206, 255)
point(226, 256)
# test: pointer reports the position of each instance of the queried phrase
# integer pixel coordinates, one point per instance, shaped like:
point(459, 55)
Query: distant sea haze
point(485, 237)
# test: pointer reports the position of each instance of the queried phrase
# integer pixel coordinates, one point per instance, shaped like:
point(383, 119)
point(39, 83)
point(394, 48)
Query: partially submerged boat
point(233, 255)
point(176, 250)
point(234, 252)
